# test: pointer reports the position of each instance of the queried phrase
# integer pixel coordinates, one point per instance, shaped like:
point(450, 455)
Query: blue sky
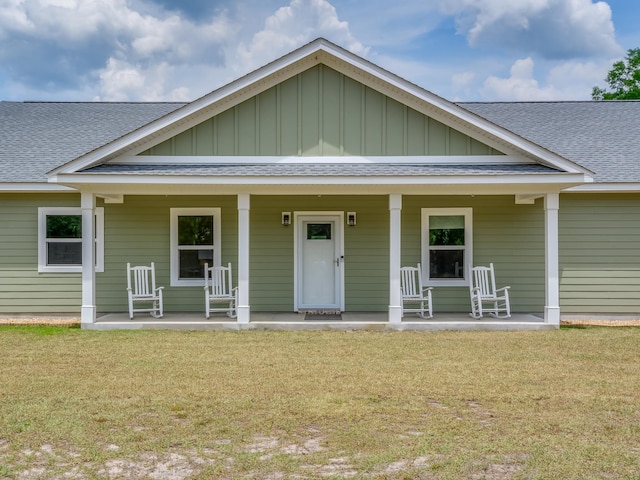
point(179, 50)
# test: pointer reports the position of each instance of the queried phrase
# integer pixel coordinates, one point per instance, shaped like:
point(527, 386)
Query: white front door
point(319, 262)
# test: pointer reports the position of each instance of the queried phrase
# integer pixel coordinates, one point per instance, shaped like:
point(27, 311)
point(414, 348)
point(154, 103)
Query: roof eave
point(439, 184)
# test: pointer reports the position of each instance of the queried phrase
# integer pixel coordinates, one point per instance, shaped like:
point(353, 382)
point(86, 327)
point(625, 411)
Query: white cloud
point(121, 81)
point(461, 80)
point(293, 26)
point(564, 81)
point(549, 28)
point(140, 51)
point(108, 42)
point(519, 86)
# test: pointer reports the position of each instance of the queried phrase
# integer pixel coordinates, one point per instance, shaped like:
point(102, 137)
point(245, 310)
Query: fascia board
point(605, 188)
point(451, 180)
point(34, 188)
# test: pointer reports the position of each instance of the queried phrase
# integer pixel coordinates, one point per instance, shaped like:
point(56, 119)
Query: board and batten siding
point(508, 235)
point(22, 288)
point(600, 253)
point(366, 249)
point(320, 112)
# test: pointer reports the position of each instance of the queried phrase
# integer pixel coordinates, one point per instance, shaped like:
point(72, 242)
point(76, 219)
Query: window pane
point(446, 264)
point(64, 253)
point(446, 221)
point(64, 226)
point(192, 262)
point(195, 230)
point(318, 231)
point(447, 236)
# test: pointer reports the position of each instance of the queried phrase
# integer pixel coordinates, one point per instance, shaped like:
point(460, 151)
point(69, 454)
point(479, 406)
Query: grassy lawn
point(279, 405)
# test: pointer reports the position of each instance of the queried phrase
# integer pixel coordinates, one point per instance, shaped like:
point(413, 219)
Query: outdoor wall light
point(286, 218)
point(351, 219)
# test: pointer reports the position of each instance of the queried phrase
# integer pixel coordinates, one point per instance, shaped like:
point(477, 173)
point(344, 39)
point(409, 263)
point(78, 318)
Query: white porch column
point(88, 208)
point(552, 269)
point(395, 224)
point(244, 201)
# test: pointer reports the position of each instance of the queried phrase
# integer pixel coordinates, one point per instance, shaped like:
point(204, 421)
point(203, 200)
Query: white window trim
point(43, 212)
point(175, 257)
point(468, 246)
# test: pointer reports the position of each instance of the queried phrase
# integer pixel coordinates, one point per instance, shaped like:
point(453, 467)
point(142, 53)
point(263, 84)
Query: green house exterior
point(319, 136)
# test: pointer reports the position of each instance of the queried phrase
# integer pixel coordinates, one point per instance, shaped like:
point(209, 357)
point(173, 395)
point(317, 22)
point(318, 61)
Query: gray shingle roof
point(324, 170)
point(36, 137)
point(601, 136)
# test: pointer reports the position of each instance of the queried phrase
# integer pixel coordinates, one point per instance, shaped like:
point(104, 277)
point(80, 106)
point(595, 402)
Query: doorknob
point(341, 257)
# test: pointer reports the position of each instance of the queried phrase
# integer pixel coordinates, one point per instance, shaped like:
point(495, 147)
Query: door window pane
point(318, 231)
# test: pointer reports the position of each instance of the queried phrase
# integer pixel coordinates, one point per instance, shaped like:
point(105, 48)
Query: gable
point(320, 112)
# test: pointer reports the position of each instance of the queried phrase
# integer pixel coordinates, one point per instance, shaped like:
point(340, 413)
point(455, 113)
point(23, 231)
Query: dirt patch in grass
point(635, 322)
point(58, 321)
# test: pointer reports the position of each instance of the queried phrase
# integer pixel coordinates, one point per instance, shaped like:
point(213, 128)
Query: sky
point(179, 50)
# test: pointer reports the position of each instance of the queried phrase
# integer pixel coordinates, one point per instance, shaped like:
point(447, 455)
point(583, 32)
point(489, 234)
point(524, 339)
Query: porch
point(376, 321)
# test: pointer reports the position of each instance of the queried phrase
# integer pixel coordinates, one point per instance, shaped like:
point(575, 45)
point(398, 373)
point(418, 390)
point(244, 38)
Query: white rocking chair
point(141, 287)
point(485, 298)
point(414, 294)
point(218, 289)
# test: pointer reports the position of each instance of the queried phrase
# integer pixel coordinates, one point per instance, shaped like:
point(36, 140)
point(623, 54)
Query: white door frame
point(339, 233)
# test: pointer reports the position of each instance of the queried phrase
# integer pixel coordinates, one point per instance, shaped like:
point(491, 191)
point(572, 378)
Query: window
point(195, 240)
point(60, 239)
point(446, 246)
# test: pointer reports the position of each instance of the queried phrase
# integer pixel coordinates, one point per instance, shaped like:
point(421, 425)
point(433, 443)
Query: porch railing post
point(243, 308)
point(88, 211)
point(395, 224)
point(552, 269)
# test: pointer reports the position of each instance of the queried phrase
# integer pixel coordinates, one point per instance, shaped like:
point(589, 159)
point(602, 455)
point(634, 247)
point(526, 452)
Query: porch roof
point(324, 170)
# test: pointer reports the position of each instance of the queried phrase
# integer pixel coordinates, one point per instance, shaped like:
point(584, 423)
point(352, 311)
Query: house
point(320, 145)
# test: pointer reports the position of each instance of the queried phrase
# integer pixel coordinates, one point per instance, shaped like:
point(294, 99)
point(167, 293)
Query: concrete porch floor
point(296, 321)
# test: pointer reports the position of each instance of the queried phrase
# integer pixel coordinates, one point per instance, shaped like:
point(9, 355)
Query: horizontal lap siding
point(508, 235)
point(22, 288)
point(511, 236)
point(366, 251)
point(600, 253)
point(138, 231)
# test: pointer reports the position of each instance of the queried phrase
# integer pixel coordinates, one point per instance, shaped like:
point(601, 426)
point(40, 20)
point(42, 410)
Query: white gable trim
point(316, 52)
point(306, 160)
